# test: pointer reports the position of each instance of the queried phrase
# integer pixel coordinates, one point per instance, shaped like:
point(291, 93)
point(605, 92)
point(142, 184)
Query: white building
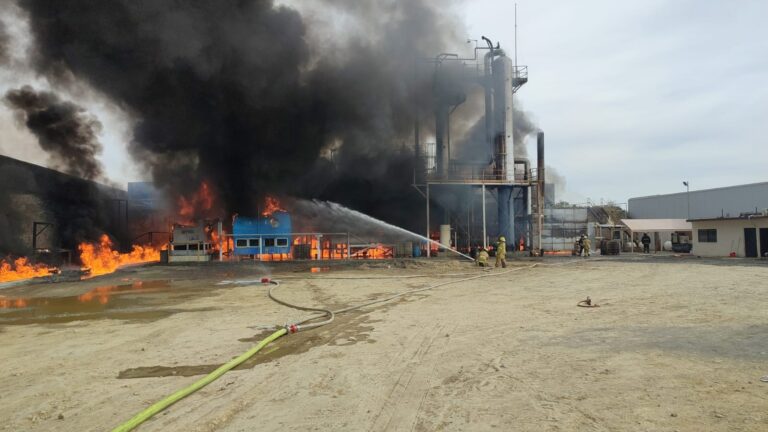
point(735, 236)
point(723, 202)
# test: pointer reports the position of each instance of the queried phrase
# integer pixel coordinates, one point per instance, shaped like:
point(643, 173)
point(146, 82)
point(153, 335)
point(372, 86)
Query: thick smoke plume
point(248, 94)
point(63, 129)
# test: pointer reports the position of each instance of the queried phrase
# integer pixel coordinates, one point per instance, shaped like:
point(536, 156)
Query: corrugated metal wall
point(709, 203)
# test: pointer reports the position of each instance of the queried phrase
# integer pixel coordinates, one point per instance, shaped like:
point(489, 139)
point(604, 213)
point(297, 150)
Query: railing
point(470, 173)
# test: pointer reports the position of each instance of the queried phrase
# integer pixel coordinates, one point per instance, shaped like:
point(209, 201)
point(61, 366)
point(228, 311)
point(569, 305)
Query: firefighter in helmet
point(501, 252)
point(482, 257)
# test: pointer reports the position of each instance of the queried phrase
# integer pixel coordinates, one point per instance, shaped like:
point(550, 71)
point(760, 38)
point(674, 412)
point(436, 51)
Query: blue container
point(262, 235)
point(416, 250)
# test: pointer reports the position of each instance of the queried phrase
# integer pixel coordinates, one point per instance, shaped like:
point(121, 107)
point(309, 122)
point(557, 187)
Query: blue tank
point(262, 235)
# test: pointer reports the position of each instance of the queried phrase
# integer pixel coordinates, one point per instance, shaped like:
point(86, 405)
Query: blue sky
point(636, 96)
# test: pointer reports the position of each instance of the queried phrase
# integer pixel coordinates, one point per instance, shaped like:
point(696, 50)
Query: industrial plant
point(338, 215)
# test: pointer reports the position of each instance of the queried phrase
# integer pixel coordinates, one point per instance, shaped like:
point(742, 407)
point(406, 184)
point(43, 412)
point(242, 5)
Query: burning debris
point(99, 258)
point(21, 268)
point(96, 258)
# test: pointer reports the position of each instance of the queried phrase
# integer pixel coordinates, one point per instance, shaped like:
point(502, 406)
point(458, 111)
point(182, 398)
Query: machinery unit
point(493, 167)
point(192, 243)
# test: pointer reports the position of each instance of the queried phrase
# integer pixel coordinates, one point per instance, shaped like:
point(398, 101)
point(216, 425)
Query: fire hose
point(306, 324)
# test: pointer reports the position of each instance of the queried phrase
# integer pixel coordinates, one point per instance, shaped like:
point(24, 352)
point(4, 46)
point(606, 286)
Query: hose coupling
point(292, 328)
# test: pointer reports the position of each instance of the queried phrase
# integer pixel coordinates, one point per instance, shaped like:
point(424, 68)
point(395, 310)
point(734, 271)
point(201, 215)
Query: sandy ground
point(677, 345)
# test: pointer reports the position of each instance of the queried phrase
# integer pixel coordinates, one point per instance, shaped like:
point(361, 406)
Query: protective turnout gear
point(586, 243)
point(501, 253)
point(482, 258)
point(646, 240)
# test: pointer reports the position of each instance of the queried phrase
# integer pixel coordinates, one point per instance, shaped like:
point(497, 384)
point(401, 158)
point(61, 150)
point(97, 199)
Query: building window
point(707, 236)
point(282, 242)
point(193, 246)
point(180, 247)
point(241, 243)
point(253, 242)
point(269, 242)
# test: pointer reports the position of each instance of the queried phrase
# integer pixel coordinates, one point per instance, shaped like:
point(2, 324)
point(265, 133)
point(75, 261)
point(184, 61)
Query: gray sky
point(634, 96)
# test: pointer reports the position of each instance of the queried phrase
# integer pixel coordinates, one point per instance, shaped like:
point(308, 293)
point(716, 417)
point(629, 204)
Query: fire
point(20, 268)
point(199, 203)
point(271, 205)
point(101, 259)
point(375, 252)
point(521, 245)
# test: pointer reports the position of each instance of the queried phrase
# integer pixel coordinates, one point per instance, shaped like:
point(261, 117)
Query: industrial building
point(745, 236)
point(730, 201)
point(45, 213)
point(452, 183)
point(726, 221)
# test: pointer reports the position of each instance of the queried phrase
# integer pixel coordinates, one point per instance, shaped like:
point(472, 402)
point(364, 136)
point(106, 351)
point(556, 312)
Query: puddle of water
point(342, 332)
point(110, 301)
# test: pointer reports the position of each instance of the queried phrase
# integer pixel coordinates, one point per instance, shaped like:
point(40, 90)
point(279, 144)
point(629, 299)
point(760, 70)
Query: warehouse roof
point(745, 217)
point(655, 225)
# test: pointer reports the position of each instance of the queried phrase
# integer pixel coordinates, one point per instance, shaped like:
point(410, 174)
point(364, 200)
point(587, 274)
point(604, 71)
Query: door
point(750, 242)
point(763, 242)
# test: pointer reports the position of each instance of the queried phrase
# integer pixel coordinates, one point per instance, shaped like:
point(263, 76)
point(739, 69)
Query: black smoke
point(64, 130)
point(248, 95)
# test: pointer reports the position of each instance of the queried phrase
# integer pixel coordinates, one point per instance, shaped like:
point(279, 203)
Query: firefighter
point(482, 257)
point(581, 244)
point(585, 243)
point(646, 241)
point(501, 252)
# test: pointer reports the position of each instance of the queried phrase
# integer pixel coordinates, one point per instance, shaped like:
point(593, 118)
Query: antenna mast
point(515, 34)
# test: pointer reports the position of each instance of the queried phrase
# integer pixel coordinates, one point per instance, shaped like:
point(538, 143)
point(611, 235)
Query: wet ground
point(672, 335)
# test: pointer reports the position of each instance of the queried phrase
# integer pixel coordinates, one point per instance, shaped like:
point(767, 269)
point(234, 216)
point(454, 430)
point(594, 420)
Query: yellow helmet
point(502, 239)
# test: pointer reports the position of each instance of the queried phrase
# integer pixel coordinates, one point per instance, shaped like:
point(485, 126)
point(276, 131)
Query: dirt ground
point(676, 345)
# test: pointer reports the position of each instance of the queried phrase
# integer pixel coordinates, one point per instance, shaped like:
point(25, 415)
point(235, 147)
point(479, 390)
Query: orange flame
point(199, 203)
point(271, 205)
point(521, 245)
point(20, 269)
point(101, 259)
point(375, 252)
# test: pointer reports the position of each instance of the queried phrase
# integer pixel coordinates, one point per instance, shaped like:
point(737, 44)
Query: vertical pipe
point(441, 147)
point(469, 224)
point(503, 119)
point(485, 236)
point(428, 243)
point(488, 84)
point(221, 242)
point(541, 184)
point(349, 251)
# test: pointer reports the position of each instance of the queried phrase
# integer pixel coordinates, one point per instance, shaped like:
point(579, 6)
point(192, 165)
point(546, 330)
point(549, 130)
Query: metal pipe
point(428, 246)
point(488, 85)
point(541, 185)
point(221, 241)
point(485, 236)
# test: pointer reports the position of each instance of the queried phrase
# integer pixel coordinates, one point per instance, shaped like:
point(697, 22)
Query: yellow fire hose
point(197, 385)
